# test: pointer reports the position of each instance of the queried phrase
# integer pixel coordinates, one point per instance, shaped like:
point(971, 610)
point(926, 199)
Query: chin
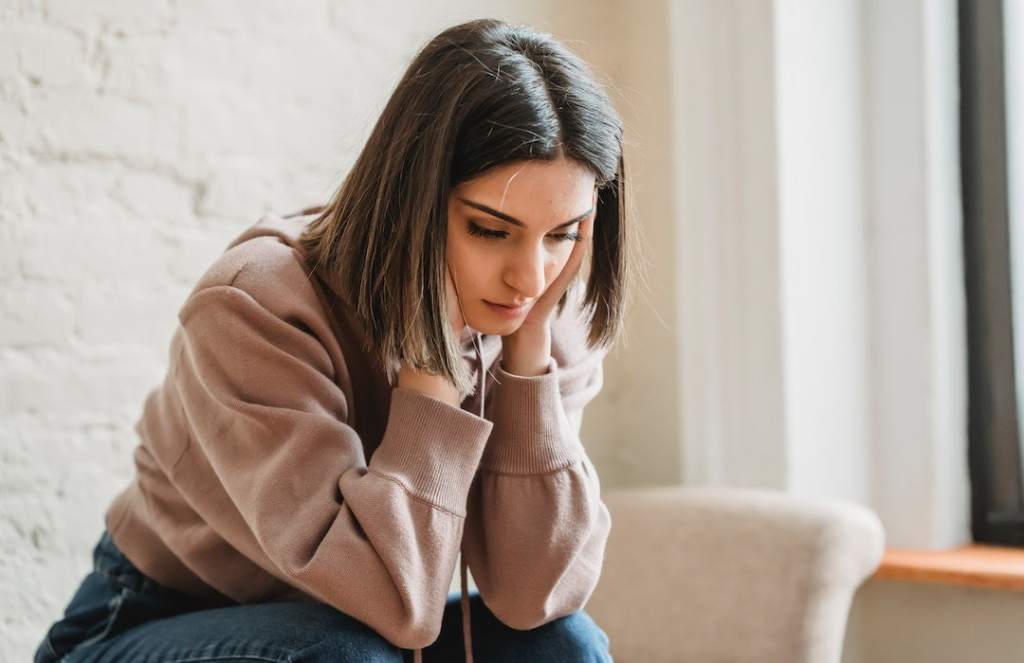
point(491, 325)
point(497, 328)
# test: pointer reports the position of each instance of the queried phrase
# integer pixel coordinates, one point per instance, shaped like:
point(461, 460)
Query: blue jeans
point(119, 614)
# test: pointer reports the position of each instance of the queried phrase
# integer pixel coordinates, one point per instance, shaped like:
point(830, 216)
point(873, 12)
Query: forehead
point(534, 191)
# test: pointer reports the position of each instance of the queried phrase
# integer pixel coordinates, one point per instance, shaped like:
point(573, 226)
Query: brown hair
point(477, 95)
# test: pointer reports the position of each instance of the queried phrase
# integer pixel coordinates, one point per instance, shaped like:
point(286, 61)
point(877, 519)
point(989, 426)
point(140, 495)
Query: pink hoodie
point(275, 461)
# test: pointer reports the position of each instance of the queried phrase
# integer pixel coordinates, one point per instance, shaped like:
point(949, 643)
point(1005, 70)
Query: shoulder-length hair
point(477, 95)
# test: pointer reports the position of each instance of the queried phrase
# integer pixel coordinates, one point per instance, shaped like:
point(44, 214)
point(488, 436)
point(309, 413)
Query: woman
point(321, 452)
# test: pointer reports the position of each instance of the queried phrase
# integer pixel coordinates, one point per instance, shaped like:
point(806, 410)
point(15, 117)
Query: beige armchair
point(724, 575)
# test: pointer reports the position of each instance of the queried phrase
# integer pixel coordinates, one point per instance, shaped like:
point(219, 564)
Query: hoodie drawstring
point(467, 631)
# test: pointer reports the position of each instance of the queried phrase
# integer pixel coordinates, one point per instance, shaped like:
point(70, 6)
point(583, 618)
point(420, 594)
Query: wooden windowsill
point(993, 567)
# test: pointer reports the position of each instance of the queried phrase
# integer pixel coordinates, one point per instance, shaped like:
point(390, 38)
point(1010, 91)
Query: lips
point(506, 310)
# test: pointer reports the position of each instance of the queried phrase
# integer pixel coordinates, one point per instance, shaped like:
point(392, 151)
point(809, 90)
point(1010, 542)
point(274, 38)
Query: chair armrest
point(727, 574)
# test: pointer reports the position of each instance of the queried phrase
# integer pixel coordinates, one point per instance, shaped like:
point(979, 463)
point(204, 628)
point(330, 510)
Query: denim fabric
point(119, 614)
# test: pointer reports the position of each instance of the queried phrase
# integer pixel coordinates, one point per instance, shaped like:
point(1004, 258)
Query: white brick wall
point(136, 138)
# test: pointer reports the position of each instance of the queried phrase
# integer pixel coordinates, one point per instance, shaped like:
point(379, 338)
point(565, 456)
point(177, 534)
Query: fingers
point(575, 261)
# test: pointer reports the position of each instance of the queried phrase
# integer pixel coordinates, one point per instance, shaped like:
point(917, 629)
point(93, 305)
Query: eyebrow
point(516, 222)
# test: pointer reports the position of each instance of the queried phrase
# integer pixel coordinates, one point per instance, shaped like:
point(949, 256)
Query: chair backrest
point(731, 575)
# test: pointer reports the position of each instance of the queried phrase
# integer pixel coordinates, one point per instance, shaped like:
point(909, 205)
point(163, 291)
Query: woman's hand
point(526, 350)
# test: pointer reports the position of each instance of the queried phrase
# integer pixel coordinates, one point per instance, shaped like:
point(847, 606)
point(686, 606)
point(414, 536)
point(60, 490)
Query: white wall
point(817, 208)
point(823, 286)
point(903, 622)
point(726, 213)
point(632, 427)
point(914, 225)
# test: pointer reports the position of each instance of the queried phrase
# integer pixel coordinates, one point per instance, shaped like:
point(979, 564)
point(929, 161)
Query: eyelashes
point(479, 231)
point(487, 233)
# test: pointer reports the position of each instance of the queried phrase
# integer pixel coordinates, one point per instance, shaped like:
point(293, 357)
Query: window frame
point(994, 451)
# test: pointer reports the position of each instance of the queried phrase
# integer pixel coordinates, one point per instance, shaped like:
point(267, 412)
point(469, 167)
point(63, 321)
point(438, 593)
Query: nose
point(525, 272)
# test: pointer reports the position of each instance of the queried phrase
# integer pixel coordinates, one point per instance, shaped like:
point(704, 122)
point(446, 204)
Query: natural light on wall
point(1013, 17)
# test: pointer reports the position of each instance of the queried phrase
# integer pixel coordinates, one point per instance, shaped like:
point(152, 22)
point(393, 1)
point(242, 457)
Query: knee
point(575, 637)
point(350, 648)
point(343, 639)
point(583, 636)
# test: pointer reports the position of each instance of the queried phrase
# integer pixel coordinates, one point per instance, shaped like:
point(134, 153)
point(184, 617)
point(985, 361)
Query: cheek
point(554, 265)
point(551, 269)
point(469, 263)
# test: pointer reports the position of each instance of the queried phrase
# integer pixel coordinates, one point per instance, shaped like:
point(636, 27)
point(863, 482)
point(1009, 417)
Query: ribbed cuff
point(531, 433)
point(432, 448)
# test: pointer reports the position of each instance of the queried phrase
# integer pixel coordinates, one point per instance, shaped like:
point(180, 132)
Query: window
point(992, 158)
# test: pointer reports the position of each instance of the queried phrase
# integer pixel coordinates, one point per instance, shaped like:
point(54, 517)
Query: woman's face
point(510, 232)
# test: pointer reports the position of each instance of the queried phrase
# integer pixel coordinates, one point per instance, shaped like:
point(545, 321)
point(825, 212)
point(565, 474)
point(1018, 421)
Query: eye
point(486, 233)
point(568, 237)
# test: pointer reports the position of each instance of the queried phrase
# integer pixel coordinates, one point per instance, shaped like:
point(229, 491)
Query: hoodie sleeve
point(377, 541)
point(536, 527)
